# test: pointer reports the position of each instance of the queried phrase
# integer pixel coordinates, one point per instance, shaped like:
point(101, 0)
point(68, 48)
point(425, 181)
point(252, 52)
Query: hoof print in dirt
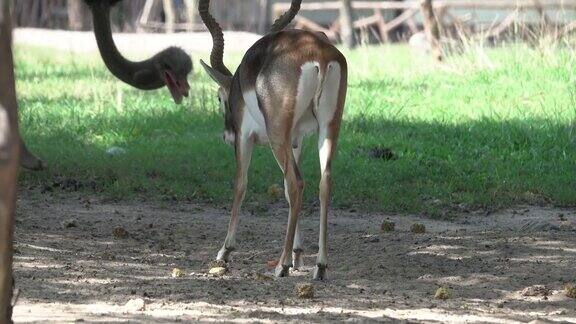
point(69, 223)
point(570, 290)
point(443, 293)
point(135, 305)
point(387, 226)
point(261, 277)
point(177, 273)
point(120, 233)
point(536, 291)
point(418, 228)
point(305, 291)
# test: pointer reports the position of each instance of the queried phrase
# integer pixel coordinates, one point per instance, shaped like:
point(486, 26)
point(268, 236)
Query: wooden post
point(265, 19)
point(75, 17)
point(190, 13)
point(347, 24)
point(9, 159)
point(169, 15)
point(431, 28)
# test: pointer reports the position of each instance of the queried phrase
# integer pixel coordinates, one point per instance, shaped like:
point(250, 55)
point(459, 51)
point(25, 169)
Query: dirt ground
point(71, 267)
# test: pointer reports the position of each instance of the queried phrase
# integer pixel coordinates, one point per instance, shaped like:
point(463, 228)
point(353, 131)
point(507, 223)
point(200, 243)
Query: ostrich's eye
point(219, 100)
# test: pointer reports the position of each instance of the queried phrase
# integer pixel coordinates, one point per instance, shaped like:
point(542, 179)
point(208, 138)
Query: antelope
point(289, 84)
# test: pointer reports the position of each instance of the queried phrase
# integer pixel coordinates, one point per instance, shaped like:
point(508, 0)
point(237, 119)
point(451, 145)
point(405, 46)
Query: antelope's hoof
point(297, 259)
point(282, 270)
point(224, 254)
point(319, 272)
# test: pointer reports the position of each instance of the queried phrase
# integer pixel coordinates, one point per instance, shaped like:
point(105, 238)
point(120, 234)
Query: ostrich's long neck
point(141, 75)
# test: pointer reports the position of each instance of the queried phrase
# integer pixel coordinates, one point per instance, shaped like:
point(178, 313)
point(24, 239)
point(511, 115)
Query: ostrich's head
point(173, 66)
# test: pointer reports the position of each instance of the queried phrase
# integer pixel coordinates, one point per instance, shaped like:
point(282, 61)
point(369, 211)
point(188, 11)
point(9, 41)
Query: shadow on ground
point(69, 265)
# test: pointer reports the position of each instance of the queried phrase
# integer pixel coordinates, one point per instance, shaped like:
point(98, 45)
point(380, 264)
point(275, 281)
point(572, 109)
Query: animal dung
point(418, 228)
point(218, 268)
point(387, 226)
point(305, 290)
point(570, 290)
point(275, 191)
point(535, 291)
point(177, 272)
point(443, 293)
point(218, 271)
point(120, 233)
point(218, 263)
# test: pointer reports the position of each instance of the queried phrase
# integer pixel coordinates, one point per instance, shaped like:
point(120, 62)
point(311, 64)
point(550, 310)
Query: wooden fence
point(452, 15)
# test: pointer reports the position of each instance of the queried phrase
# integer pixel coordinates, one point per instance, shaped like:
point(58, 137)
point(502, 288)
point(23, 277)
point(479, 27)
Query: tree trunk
point(75, 17)
point(431, 28)
point(347, 21)
point(9, 159)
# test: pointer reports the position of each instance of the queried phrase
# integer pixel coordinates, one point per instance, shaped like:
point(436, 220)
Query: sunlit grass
point(490, 128)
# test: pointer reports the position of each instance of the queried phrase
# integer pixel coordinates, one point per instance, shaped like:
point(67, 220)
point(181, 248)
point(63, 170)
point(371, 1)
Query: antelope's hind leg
point(294, 188)
point(243, 150)
point(328, 112)
point(297, 247)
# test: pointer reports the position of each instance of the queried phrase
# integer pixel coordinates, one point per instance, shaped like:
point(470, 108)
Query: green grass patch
point(489, 129)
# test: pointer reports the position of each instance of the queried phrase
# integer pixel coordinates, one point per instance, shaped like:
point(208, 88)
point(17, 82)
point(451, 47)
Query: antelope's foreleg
point(243, 149)
point(295, 187)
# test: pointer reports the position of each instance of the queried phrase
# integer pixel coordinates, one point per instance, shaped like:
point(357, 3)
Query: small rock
point(275, 191)
point(135, 305)
point(443, 293)
point(218, 271)
point(418, 228)
point(536, 290)
point(370, 238)
point(570, 290)
point(387, 226)
point(115, 151)
point(69, 223)
point(305, 290)
point(177, 273)
point(120, 233)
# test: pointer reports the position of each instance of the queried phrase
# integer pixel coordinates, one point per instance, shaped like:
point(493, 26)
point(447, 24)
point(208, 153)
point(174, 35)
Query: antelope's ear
point(222, 80)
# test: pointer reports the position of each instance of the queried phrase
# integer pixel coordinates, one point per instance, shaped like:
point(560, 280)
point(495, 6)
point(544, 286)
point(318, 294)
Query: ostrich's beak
point(178, 88)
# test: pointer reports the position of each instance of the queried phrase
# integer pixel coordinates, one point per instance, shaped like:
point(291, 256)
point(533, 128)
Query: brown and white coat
point(290, 83)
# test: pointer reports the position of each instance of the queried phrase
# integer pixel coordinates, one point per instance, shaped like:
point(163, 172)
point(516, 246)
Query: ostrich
point(169, 67)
